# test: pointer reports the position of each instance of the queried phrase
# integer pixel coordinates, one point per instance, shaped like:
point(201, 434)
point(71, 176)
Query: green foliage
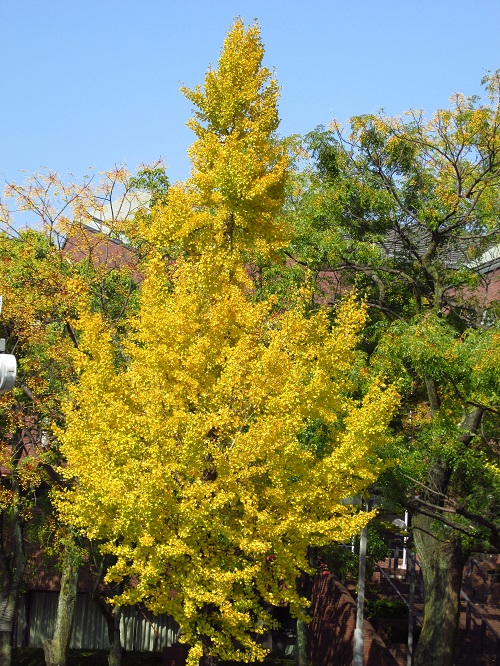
point(111, 293)
point(316, 438)
point(278, 279)
point(402, 209)
point(152, 179)
point(343, 562)
point(387, 607)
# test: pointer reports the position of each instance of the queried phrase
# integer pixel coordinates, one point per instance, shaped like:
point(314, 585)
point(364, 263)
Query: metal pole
point(405, 544)
point(359, 637)
point(411, 603)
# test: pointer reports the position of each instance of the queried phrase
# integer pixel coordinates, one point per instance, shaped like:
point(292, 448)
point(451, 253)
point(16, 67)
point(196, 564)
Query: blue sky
point(96, 83)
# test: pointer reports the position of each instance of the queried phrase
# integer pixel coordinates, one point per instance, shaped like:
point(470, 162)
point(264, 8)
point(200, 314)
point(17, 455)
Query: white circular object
point(399, 523)
point(8, 371)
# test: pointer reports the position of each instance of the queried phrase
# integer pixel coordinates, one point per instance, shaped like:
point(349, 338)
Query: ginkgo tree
point(193, 444)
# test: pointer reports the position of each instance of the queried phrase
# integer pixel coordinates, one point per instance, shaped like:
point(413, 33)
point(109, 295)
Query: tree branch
point(460, 511)
point(71, 332)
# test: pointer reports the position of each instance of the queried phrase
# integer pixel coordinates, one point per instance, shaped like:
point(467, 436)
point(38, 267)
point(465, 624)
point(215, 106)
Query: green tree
point(44, 273)
point(34, 285)
point(406, 210)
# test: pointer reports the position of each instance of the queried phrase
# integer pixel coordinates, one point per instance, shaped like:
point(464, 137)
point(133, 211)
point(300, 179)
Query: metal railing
point(485, 625)
point(472, 612)
point(394, 587)
point(488, 575)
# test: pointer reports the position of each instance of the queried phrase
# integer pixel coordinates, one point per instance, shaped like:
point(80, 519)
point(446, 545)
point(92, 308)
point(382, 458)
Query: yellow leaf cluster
point(239, 168)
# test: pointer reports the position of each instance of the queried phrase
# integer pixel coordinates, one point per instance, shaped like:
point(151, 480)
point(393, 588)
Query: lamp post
point(411, 603)
point(359, 634)
point(410, 561)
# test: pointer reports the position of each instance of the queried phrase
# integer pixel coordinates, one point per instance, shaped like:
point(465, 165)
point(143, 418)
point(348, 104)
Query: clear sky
point(94, 83)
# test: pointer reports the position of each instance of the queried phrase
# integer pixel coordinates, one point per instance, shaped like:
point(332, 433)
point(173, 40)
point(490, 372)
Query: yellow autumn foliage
point(189, 444)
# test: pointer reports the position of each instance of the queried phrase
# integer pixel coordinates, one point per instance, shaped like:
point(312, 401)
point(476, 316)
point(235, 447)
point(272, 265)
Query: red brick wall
point(331, 632)
point(100, 250)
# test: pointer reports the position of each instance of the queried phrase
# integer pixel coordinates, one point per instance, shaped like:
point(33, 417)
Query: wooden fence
point(140, 629)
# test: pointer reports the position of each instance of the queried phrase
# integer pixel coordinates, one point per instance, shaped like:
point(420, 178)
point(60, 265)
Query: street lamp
point(8, 371)
point(8, 365)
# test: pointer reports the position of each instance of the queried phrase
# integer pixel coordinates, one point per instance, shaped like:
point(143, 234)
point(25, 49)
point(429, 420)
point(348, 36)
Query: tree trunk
point(112, 614)
point(441, 556)
point(7, 612)
point(56, 648)
point(12, 568)
point(8, 604)
point(301, 644)
point(5, 648)
point(207, 659)
point(115, 649)
point(442, 562)
point(304, 588)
